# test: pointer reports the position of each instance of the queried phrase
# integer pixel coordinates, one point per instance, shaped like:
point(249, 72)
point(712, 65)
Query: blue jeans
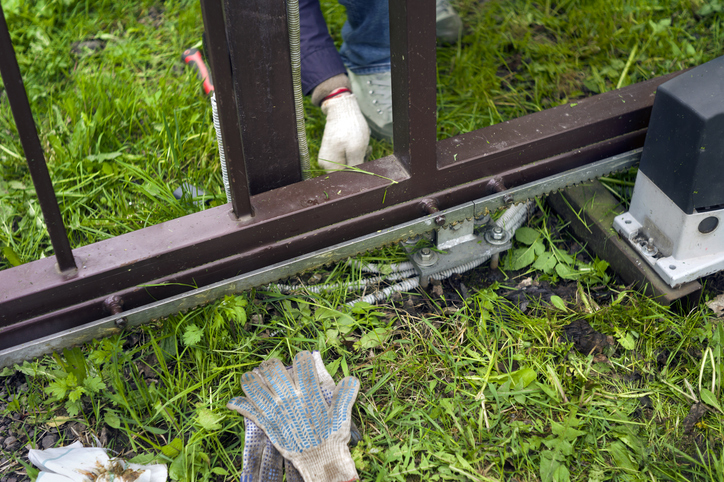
point(366, 34)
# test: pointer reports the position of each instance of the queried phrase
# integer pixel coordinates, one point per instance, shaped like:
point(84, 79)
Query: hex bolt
point(412, 239)
point(496, 235)
point(113, 304)
point(649, 248)
point(508, 199)
point(426, 257)
point(430, 206)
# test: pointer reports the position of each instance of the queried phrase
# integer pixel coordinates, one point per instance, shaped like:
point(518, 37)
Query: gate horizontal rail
point(162, 261)
point(114, 323)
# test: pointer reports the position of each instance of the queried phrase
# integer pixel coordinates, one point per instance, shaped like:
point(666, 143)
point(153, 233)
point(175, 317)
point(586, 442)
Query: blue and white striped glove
point(290, 408)
point(262, 462)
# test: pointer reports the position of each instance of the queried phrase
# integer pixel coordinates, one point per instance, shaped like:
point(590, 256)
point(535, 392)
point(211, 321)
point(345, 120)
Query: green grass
point(470, 390)
point(483, 392)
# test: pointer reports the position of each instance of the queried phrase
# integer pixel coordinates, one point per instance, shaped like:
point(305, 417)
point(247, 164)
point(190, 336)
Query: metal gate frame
point(423, 176)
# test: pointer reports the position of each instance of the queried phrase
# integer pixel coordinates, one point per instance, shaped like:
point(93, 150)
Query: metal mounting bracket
point(460, 244)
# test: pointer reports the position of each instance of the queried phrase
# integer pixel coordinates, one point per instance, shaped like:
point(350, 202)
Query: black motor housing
point(685, 140)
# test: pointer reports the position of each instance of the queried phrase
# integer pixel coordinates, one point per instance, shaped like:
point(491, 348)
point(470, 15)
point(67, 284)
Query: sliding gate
point(277, 224)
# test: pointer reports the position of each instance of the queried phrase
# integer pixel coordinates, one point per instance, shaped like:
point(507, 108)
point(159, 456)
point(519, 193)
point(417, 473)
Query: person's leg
point(366, 34)
point(366, 54)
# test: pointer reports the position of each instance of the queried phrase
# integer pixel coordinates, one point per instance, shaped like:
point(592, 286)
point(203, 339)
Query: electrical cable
point(374, 268)
point(349, 286)
point(511, 220)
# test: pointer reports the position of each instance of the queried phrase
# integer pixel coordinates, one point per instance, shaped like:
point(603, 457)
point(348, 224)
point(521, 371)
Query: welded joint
point(241, 220)
point(68, 274)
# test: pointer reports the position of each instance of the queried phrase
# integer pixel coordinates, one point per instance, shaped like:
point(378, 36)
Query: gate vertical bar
point(258, 37)
point(414, 103)
point(34, 156)
point(213, 14)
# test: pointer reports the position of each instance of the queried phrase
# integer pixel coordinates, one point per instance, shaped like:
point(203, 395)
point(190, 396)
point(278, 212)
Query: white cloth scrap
point(85, 464)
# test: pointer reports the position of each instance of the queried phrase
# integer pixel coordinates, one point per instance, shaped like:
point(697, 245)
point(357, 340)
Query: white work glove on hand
point(346, 133)
point(289, 407)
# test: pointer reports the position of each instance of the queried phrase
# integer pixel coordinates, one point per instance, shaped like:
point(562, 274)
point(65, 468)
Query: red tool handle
point(193, 58)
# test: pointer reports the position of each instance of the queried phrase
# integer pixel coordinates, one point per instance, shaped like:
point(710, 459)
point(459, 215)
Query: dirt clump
point(585, 338)
point(697, 411)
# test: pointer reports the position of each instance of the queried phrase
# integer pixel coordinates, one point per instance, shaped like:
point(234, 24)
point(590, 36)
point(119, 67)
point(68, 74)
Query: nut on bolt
point(496, 235)
point(482, 220)
point(122, 322)
point(412, 240)
point(649, 248)
point(426, 257)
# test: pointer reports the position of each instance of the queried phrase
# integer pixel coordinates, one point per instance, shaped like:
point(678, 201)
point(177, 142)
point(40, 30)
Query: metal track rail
point(115, 323)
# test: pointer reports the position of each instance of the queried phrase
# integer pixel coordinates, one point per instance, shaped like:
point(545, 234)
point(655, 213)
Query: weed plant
point(470, 388)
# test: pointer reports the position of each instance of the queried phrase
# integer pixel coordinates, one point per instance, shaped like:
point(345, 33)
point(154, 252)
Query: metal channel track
point(114, 324)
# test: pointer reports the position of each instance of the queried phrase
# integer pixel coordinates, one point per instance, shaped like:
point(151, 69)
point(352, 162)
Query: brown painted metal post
point(412, 39)
point(258, 39)
point(23, 116)
point(218, 52)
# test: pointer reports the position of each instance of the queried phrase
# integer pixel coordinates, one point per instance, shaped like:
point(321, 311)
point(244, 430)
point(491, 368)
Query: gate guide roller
point(677, 209)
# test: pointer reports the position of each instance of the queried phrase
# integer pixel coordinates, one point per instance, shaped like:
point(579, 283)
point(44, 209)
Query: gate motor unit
point(677, 208)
